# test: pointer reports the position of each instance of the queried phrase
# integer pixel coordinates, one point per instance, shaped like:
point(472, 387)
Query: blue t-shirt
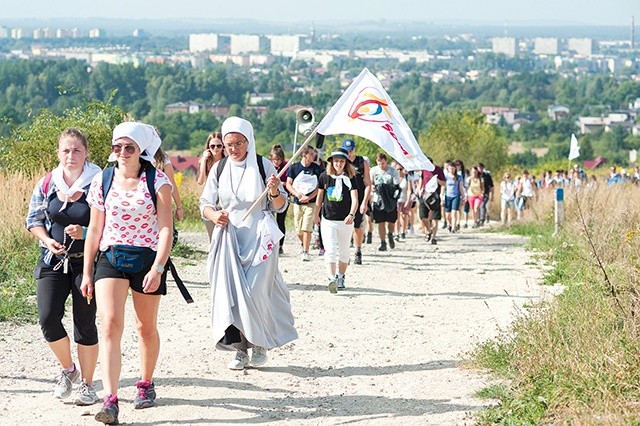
point(452, 186)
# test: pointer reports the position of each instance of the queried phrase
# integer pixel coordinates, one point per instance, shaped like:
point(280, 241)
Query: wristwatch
point(160, 269)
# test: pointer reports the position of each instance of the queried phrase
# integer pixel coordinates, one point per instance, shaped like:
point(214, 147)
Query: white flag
point(574, 151)
point(365, 109)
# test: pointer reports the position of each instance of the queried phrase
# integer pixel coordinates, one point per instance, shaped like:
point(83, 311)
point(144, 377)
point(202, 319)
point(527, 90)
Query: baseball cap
point(348, 144)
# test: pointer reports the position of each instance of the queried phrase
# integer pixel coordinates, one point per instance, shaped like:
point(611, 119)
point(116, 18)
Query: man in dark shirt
point(363, 184)
point(302, 183)
point(488, 193)
point(430, 213)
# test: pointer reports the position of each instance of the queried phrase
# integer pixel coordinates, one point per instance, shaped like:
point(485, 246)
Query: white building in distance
point(246, 43)
point(582, 46)
point(286, 45)
point(545, 46)
point(504, 45)
point(203, 42)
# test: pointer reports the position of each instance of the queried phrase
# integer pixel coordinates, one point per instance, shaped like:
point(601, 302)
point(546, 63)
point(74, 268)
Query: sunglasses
point(215, 146)
point(129, 149)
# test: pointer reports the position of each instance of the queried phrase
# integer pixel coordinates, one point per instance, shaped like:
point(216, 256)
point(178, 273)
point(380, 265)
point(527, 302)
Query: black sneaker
point(383, 246)
point(357, 259)
point(403, 235)
point(146, 394)
point(392, 243)
point(433, 241)
point(280, 251)
point(108, 414)
point(428, 237)
point(369, 236)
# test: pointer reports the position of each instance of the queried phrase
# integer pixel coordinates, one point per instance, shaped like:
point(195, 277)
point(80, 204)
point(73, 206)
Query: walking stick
point(283, 171)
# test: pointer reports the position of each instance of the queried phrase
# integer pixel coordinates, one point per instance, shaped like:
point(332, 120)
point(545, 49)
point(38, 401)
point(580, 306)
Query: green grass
point(17, 285)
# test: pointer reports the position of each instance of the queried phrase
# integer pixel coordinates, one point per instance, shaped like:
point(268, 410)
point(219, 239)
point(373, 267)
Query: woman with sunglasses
point(127, 218)
point(58, 217)
point(213, 152)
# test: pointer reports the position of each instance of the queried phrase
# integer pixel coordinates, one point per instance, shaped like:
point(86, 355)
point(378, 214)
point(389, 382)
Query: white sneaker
point(65, 382)
point(258, 356)
point(85, 395)
point(240, 361)
point(305, 256)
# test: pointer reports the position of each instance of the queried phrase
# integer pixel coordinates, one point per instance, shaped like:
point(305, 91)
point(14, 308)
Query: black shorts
point(104, 269)
point(381, 216)
point(436, 213)
point(357, 220)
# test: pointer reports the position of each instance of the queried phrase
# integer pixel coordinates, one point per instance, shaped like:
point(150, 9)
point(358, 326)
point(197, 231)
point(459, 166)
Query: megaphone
point(305, 120)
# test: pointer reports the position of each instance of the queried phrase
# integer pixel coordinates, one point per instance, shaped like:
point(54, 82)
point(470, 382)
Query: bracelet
point(353, 215)
point(273, 197)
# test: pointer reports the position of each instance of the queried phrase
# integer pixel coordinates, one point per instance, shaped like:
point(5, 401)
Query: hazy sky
point(590, 12)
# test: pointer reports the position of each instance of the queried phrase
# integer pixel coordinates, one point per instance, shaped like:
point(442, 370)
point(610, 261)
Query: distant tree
point(31, 147)
point(465, 135)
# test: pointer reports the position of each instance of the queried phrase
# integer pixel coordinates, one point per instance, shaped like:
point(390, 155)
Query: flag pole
point(283, 171)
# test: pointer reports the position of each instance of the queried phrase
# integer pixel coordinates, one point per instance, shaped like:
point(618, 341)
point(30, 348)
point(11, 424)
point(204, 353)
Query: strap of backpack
point(107, 180)
point(223, 161)
point(46, 182)
point(179, 282)
point(150, 173)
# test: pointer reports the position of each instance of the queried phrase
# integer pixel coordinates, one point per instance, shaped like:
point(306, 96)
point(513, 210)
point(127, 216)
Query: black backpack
point(150, 172)
point(223, 161)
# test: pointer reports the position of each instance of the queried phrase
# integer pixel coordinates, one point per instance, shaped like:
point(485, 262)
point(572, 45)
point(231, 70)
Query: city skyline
point(492, 12)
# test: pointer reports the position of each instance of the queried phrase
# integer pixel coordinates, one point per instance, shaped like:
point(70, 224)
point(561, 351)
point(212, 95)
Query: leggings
point(280, 219)
point(52, 293)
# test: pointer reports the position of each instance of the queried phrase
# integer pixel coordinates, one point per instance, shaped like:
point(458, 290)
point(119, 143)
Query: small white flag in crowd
point(574, 151)
point(365, 109)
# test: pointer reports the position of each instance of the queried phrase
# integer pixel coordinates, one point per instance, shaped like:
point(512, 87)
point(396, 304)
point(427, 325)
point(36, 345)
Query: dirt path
point(385, 351)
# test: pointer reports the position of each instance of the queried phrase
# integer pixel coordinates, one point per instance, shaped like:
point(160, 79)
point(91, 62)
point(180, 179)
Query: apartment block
point(545, 46)
point(504, 45)
point(246, 43)
point(582, 46)
point(286, 45)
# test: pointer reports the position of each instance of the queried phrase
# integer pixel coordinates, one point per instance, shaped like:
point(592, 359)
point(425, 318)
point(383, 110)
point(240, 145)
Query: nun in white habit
point(250, 302)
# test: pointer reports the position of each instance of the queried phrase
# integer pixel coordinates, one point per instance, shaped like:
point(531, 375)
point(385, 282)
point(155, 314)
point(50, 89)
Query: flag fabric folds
point(574, 151)
point(365, 109)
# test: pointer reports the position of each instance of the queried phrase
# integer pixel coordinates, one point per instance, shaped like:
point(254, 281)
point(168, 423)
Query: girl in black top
point(338, 201)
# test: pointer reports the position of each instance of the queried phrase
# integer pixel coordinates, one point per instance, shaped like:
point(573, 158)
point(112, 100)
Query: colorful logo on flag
point(370, 105)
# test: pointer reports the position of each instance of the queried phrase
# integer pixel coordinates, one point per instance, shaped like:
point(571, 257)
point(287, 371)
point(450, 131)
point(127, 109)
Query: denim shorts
point(451, 203)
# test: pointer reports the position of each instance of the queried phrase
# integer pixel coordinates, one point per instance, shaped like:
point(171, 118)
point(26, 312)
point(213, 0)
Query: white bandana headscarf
point(89, 170)
point(144, 135)
point(253, 185)
point(340, 179)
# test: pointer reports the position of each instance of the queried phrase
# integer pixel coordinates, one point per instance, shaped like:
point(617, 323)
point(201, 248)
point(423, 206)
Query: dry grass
point(578, 361)
point(18, 248)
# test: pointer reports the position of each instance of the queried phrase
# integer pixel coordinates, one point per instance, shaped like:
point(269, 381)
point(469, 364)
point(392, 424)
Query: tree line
point(29, 87)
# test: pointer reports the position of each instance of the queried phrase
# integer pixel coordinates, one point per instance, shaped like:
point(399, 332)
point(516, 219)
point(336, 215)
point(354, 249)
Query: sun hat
point(339, 152)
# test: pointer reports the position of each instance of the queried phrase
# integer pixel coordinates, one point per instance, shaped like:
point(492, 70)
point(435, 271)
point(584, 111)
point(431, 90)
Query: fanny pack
point(129, 258)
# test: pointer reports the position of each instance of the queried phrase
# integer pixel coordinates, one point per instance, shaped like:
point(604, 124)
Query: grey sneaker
point(333, 285)
point(258, 356)
point(65, 383)
point(108, 414)
point(85, 394)
point(340, 282)
point(145, 394)
point(240, 361)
